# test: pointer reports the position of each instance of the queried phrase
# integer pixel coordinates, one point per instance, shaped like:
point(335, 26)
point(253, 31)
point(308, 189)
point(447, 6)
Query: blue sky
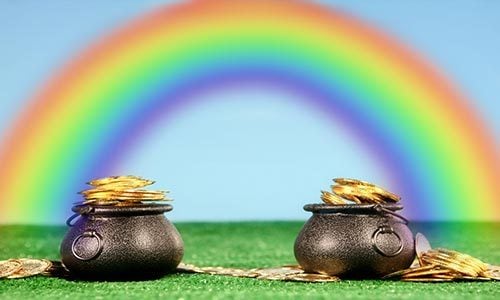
point(238, 157)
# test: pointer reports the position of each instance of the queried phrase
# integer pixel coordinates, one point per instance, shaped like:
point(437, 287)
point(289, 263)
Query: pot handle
point(386, 229)
point(84, 211)
point(382, 209)
point(94, 252)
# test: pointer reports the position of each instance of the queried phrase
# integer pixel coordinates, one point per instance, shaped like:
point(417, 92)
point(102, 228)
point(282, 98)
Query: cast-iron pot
point(121, 242)
point(355, 241)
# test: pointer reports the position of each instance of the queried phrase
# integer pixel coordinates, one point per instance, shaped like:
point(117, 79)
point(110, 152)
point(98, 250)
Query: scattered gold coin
point(442, 265)
point(30, 267)
point(9, 267)
point(283, 273)
point(311, 277)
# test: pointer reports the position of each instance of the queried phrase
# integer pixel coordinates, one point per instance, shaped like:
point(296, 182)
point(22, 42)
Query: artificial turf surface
point(247, 245)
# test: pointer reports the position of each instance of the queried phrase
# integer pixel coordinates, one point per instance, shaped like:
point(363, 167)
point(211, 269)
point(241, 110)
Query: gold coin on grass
point(279, 271)
point(188, 268)
point(456, 261)
point(310, 277)
point(400, 273)
point(228, 271)
point(30, 267)
point(493, 272)
point(428, 273)
point(429, 279)
point(9, 267)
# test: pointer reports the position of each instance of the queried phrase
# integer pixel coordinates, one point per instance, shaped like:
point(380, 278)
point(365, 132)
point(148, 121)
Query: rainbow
point(436, 150)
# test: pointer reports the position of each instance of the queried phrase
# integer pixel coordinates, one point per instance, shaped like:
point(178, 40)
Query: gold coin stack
point(350, 191)
point(442, 265)
point(121, 191)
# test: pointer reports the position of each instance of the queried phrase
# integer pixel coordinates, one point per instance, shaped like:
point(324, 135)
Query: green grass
point(251, 244)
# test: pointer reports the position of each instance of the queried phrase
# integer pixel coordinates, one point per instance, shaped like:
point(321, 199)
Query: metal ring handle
point(381, 209)
point(88, 234)
point(385, 230)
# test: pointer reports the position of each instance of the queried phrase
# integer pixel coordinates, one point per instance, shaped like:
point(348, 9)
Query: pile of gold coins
point(350, 191)
point(121, 191)
point(28, 267)
point(283, 273)
point(441, 265)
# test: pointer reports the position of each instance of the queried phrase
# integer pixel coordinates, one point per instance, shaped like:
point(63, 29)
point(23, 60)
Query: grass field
point(249, 244)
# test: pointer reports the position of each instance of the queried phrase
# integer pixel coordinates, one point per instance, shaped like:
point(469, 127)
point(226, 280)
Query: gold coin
point(386, 195)
point(129, 179)
point(407, 271)
point(228, 272)
point(426, 273)
point(358, 194)
point(493, 268)
point(188, 268)
point(491, 273)
point(468, 259)
point(446, 276)
point(126, 195)
point(105, 203)
point(349, 181)
point(310, 277)
point(118, 186)
point(456, 261)
point(415, 263)
point(279, 277)
point(30, 267)
point(422, 245)
point(285, 270)
point(330, 198)
point(477, 278)
point(430, 279)
point(451, 265)
point(120, 191)
point(9, 267)
point(368, 190)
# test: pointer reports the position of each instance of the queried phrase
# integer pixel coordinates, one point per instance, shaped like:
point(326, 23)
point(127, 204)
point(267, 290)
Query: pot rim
point(349, 208)
point(154, 208)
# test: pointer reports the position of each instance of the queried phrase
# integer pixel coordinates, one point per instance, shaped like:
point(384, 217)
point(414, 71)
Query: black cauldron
point(355, 241)
point(121, 242)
